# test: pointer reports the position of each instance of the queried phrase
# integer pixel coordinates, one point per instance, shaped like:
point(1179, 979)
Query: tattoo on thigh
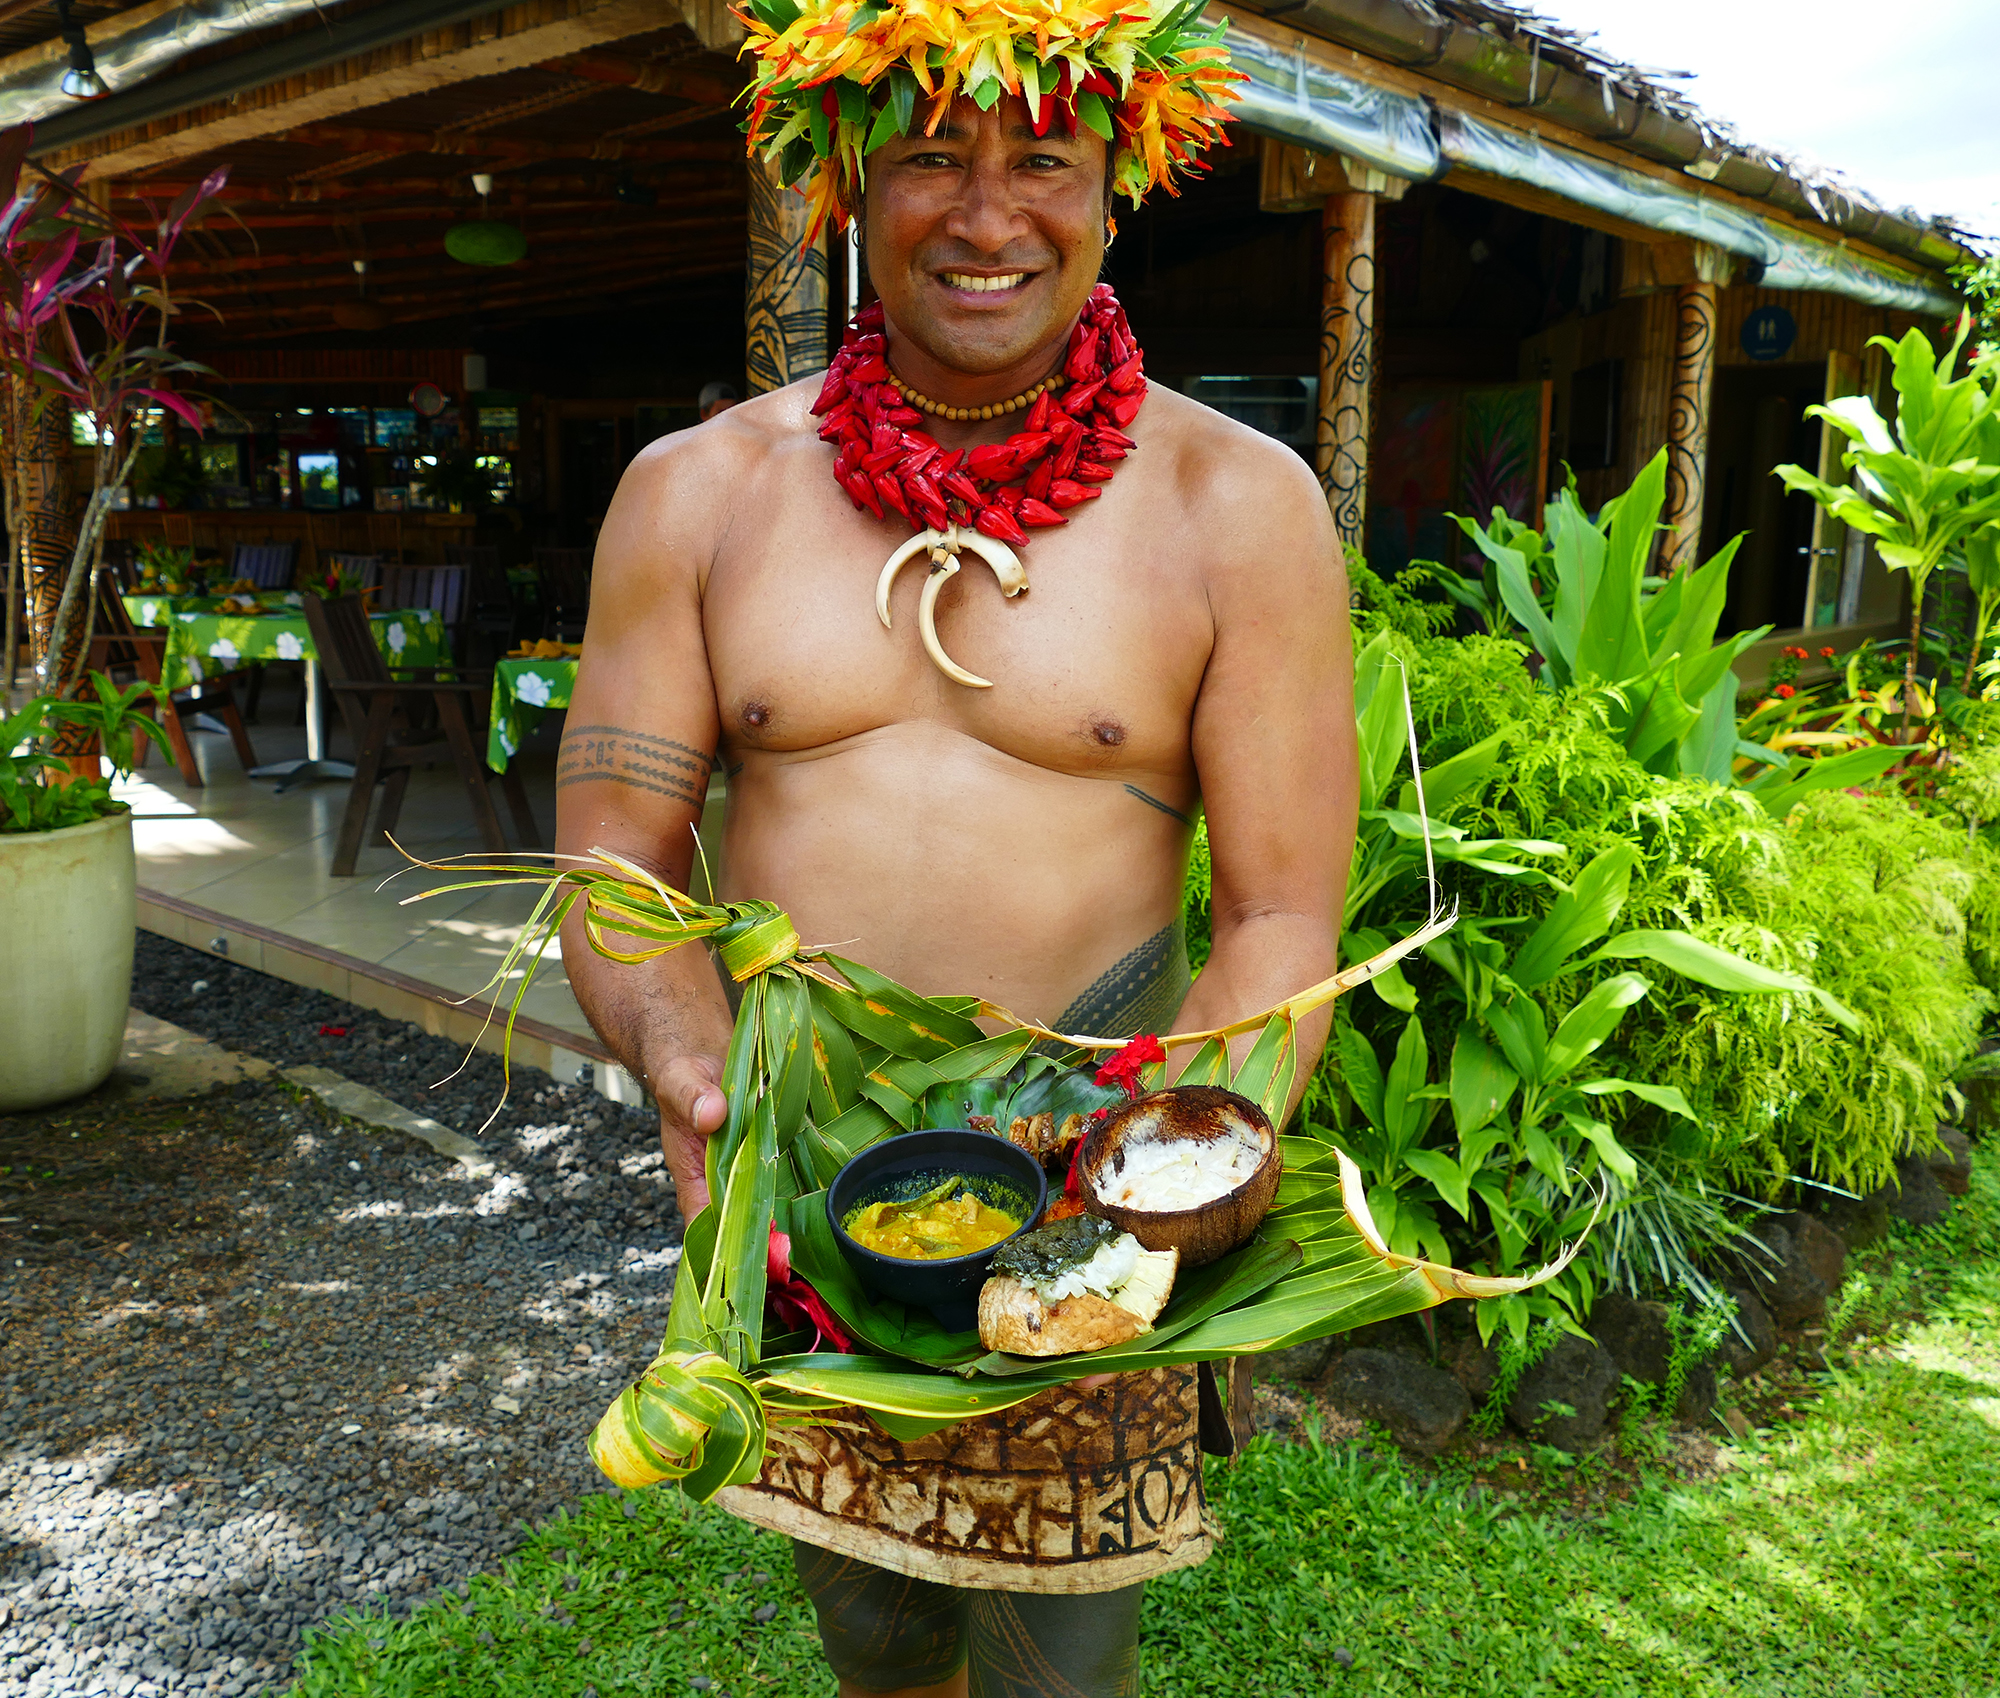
point(610, 754)
point(1155, 802)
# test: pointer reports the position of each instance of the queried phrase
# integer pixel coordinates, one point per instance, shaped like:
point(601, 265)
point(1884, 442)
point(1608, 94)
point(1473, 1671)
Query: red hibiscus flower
point(1121, 1068)
point(793, 1301)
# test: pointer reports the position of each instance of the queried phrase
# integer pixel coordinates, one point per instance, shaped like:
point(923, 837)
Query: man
point(717, 397)
point(1184, 645)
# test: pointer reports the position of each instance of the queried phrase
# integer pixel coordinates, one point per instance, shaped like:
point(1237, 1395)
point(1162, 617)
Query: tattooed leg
point(881, 1631)
point(610, 754)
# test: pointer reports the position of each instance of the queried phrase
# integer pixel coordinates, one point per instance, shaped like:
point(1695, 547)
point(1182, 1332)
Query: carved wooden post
point(1688, 395)
point(784, 308)
point(1346, 360)
point(45, 517)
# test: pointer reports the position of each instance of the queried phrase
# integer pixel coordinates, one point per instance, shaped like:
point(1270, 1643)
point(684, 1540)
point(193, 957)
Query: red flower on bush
point(794, 1302)
point(1826, 654)
point(1785, 692)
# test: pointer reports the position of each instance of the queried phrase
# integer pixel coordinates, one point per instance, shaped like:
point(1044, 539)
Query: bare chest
point(1094, 667)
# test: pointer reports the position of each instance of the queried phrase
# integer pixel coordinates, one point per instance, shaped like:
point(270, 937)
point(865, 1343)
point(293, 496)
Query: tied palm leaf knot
point(690, 1417)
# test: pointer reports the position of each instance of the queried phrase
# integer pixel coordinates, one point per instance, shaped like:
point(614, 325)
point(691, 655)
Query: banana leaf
point(829, 1057)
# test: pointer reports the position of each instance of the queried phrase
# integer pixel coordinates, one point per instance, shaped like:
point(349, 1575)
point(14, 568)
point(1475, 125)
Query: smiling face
point(983, 241)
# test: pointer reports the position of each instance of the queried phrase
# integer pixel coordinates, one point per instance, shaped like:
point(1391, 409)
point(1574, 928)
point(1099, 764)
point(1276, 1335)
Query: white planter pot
point(68, 915)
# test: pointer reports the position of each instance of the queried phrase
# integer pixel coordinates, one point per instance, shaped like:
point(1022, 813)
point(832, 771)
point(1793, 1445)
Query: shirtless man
point(1184, 647)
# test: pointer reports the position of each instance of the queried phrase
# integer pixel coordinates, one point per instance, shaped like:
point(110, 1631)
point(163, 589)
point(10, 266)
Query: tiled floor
point(238, 848)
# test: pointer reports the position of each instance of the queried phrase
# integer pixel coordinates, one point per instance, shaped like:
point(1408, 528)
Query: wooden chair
point(444, 590)
point(123, 651)
point(400, 719)
point(564, 578)
point(270, 566)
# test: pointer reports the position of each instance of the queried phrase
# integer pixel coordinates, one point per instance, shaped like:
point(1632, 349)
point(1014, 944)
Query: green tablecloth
point(200, 642)
point(157, 609)
point(524, 690)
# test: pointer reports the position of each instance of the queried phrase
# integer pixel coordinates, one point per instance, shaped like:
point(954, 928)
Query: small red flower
point(1785, 692)
point(793, 1301)
point(1826, 654)
point(1073, 1181)
point(1122, 1067)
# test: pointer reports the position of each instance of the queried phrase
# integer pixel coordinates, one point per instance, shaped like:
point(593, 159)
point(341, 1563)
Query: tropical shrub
point(1751, 998)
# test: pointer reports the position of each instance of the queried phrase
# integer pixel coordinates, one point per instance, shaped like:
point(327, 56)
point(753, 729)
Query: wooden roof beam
point(514, 37)
point(447, 143)
point(441, 271)
point(293, 325)
point(188, 263)
point(648, 78)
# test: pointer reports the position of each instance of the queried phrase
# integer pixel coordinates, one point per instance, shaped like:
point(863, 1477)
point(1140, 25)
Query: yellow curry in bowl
point(941, 1221)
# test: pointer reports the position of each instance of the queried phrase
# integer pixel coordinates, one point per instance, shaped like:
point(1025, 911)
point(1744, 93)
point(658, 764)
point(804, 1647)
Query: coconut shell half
point(1198, 1112)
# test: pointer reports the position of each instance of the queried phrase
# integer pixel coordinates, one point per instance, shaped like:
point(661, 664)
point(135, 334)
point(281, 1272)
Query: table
point(407, 636)
point(524, 690)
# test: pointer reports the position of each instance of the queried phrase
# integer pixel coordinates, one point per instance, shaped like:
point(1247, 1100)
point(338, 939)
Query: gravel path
point(262, 1363)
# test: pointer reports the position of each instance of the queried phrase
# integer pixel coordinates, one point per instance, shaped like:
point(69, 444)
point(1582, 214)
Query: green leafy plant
point(1650, 645)
point(28, 802)
point(1527, 1104)
point(1513, 1356)
point(173, 476)
point(161, 564)
point(1927, 489)
point(1480, 593)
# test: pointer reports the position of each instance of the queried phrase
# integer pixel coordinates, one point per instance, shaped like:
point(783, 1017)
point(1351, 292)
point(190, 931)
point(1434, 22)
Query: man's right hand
point(692, 1110)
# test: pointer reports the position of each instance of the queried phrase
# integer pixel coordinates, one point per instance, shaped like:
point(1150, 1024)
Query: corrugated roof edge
point(1516, 57)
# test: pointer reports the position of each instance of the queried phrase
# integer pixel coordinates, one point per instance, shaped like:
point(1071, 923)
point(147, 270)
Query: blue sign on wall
point(1768, 333)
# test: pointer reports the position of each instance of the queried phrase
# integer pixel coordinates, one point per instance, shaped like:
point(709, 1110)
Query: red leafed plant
point(86, 314)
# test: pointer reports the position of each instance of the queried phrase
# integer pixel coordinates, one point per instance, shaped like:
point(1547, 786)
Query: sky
point(1901, 99)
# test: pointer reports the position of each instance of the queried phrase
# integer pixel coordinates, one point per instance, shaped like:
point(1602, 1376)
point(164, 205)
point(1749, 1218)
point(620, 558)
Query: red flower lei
point(1002, 489)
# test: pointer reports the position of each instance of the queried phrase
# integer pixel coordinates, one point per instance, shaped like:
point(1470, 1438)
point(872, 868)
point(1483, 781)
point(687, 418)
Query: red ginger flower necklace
point(986, 500)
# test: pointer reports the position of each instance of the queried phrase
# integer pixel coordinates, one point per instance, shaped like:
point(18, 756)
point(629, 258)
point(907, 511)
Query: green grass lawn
point(1853, 1555)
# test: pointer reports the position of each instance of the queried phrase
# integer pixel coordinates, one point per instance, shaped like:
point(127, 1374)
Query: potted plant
point(86, 322)
point(66, 894)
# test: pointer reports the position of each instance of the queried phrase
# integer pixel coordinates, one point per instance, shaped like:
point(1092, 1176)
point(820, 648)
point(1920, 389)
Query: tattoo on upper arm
point(610, 754)
point(1155, 802)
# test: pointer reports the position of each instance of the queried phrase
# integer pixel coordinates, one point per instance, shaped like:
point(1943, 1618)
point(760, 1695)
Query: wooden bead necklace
point(963, 415)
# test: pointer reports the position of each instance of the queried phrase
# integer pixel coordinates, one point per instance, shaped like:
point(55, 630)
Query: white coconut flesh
point(1159, 1173)
point(1109, 1267)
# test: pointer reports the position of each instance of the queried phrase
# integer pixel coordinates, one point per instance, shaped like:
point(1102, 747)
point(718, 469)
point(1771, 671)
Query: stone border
point(1423, 1381)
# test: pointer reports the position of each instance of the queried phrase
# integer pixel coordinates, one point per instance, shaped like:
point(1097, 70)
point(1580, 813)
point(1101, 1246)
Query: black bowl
point(949, 1286)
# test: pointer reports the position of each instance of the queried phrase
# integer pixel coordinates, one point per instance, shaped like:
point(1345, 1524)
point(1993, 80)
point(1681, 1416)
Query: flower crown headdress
point(836, 79)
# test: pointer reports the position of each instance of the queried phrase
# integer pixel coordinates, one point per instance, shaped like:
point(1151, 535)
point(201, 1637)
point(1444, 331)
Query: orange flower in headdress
point(835, 79)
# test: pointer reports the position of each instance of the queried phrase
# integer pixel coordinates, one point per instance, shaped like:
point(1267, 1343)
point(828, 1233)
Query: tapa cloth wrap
point(1072, 1491)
